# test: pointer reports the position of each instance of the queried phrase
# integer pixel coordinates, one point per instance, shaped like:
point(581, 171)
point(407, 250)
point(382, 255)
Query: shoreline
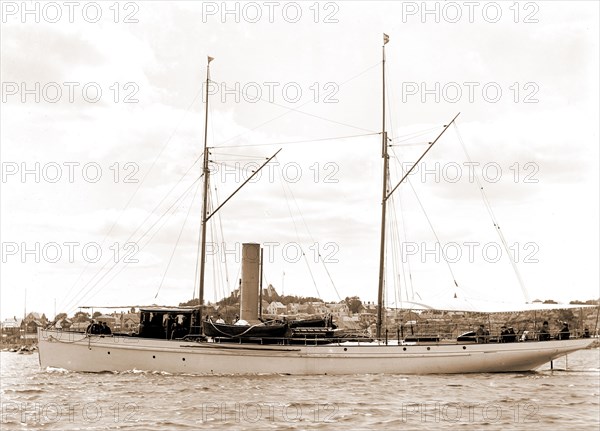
point(18, 347)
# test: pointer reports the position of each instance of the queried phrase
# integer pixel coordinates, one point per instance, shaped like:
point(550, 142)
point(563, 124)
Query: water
point(57, 400)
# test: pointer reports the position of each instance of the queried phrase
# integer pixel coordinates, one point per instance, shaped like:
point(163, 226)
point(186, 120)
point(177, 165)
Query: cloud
point(157, 139)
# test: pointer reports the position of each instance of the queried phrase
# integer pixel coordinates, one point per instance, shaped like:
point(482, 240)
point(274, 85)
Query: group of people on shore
point(508, 335)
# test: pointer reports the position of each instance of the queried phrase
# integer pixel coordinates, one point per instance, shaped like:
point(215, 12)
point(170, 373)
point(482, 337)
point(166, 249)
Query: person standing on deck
point(564, 333)
point(480, 334)
point(544, 332)
point(105, 329)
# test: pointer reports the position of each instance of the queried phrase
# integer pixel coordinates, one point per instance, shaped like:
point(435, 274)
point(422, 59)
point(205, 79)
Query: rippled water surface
point(54, 399)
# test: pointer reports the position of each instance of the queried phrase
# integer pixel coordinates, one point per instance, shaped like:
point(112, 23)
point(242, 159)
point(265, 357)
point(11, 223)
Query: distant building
point(63, 324)
point(11, 326)
point(79, 326)
point(126, 322)
point(295, 308)
point(33, 316)
point(318, 307)
point(370, 307)
point(269, 292)
point(276, 307)
point(338, 309)
point(347, 322)
point(30, 324)
point(367, 318)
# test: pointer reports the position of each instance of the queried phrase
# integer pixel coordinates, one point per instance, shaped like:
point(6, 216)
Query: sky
point(102, 135)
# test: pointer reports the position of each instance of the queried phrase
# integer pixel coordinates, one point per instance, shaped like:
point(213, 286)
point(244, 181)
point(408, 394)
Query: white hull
point(78, 352)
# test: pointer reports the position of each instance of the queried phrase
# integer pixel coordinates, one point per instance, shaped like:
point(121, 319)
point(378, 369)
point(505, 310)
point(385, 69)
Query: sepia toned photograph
point(299, 215)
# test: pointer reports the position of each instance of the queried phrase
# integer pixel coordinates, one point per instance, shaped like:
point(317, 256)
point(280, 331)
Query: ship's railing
point(451, 331)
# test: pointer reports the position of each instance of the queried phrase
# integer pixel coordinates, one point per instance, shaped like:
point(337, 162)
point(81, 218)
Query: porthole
point(464, 347)
point(153, 357)
point(429, 348)
point(345, 349)
point(108, 353)
point(183, 359)
point(404, 348)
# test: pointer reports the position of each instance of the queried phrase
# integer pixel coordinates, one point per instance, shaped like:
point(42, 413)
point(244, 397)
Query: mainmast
point(205, 172)
point(384, 154)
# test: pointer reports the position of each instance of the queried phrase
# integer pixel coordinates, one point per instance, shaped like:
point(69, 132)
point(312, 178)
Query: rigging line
point(163, 219)
point(407, 257)
point(196, 270)
point(402, 255)
point(217, 280)
point(283, 184)
point(216, 274)
point(397, 286)
point(210, 239)
point(177, 242)
point(431, 226)
point(319, 257)
point(141, 248)
point(290, 110)
point(68, 302)
point(241, 169)
point(237, 277)
point(242, 185)
point(264, 277)
point(302, 141)
point(394, 240)
point(305, 103)
point(81, 297)
point(414, 144)
point(329, 275)
point(139, 185)
point(216, 262)
point(494, 220)
point(213, 153)
point(223, 84)
point(198, 252)
point(310, 271)
point(223, 238)
point(479, 185)
point(261, 125)
point(413, 135)
point(401, 271)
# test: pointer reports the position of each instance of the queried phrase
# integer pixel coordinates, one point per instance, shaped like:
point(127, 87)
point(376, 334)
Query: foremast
point(205, 173)
point(206, 214)
point(384, 194)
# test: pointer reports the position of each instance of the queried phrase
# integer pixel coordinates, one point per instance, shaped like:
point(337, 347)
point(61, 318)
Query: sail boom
point(243, 184)
point(431, 144)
